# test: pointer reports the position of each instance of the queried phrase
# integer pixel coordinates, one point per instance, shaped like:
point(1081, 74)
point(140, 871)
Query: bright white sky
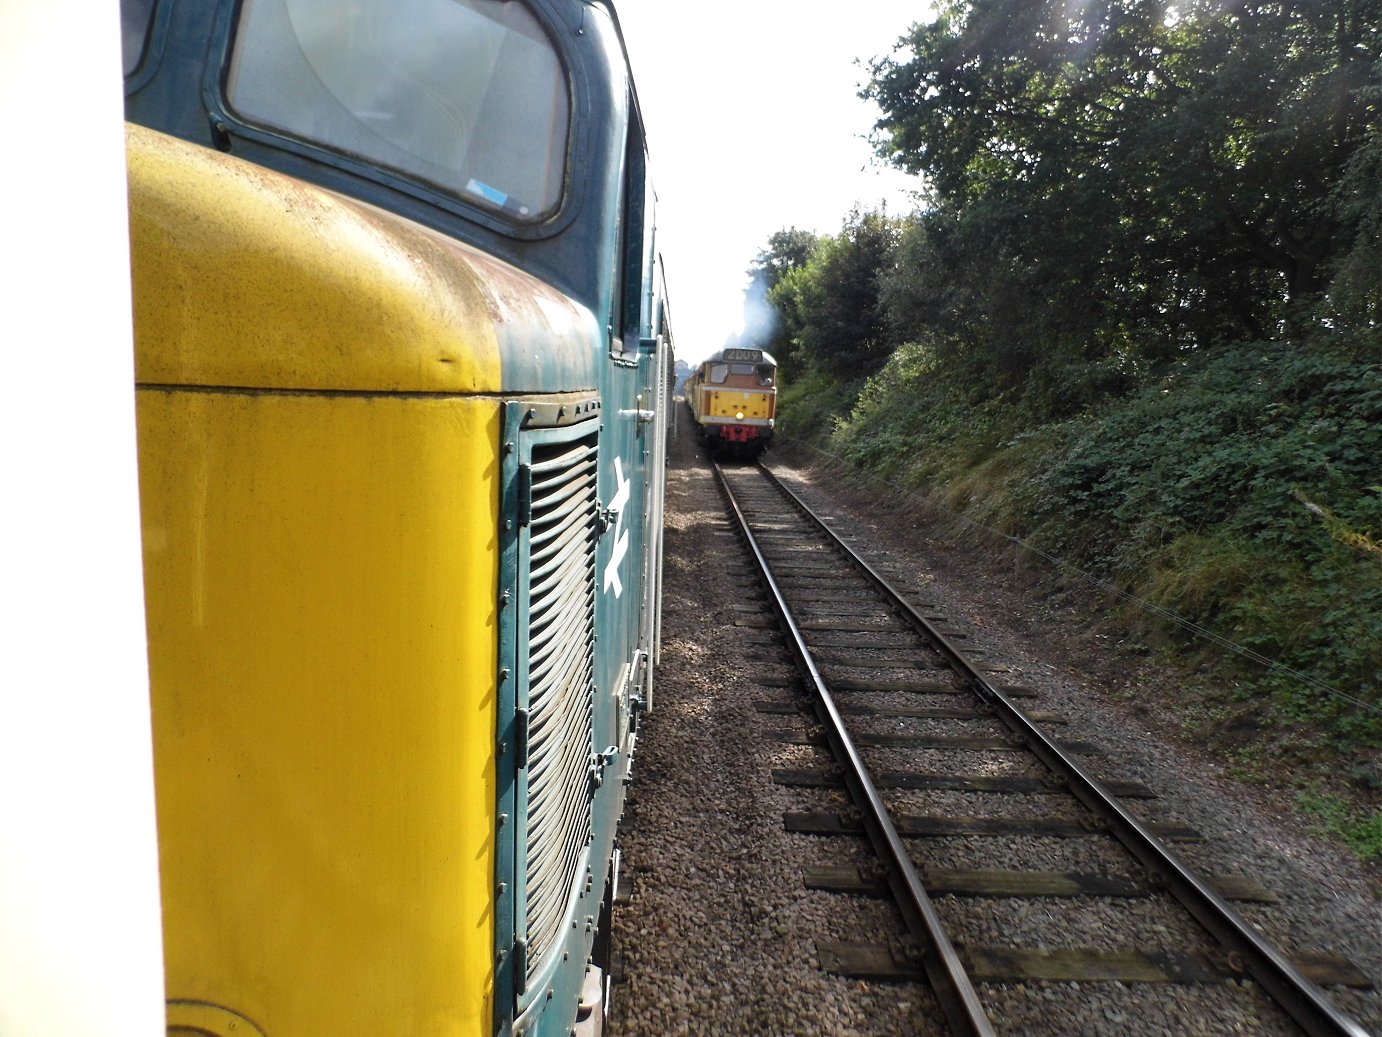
point(755, 125)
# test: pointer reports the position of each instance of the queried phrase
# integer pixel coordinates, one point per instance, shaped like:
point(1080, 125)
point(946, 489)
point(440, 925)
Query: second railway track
point(1010, 862)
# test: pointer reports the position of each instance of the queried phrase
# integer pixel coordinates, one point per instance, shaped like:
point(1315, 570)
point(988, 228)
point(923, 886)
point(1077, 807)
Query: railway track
point(913, 721)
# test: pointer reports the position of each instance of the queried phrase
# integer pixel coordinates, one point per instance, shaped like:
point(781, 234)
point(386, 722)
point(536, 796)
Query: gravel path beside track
point(719, 934)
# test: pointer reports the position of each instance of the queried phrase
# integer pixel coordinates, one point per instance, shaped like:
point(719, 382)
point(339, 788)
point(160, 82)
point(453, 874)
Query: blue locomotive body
point(402, 361)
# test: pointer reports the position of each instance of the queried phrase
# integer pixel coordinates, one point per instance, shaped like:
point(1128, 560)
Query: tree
point(1159, 176)
point(832, 313)
point(1356, 289)
point(788, 249)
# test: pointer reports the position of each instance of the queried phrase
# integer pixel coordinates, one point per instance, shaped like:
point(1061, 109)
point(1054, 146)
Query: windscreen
point(136, 17)
point(468, 95)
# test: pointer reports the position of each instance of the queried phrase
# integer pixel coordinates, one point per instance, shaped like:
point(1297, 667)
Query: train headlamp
point(739, 415)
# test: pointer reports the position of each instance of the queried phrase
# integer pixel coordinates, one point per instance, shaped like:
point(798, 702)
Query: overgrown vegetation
point(1137, 325)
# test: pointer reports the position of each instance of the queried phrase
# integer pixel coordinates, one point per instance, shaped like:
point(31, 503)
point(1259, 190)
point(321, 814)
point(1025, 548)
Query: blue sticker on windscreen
point(492, 195)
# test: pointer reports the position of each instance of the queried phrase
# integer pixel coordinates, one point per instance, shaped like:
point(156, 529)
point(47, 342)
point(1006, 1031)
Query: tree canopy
point(1112, 185)
point(1141, 177)
point(829, 296)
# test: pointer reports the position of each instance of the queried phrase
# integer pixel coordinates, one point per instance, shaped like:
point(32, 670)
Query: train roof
point(740, 355)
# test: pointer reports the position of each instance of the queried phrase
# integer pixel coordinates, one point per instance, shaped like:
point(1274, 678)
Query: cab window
point(718, 373)
point(639, 255)
point(136, 20)
point(468, 95)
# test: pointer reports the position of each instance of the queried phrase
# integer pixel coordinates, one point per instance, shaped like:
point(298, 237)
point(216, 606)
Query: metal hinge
point(525, 494)
point(598, 763)
point(520, 737)
point(520, 966)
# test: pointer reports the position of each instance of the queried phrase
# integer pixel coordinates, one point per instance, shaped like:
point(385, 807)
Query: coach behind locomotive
point(733, 398)
point(400, 360)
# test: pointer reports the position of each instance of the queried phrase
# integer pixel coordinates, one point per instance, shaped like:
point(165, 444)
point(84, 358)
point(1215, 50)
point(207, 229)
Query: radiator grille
point(561, 633)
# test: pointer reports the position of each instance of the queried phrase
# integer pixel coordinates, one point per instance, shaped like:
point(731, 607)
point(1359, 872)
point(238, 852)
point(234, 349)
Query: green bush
point(808, 407)
point(1220, 492)
point(1225, 439)
point(1361, 827)
point(913, 421)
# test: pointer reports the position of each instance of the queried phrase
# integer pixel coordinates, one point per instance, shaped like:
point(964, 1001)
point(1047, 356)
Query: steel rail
point(952, 985)
point(1301, 999)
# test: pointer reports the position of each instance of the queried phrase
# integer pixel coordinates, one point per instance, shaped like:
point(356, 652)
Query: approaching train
point(733, 399)
point(401, 371)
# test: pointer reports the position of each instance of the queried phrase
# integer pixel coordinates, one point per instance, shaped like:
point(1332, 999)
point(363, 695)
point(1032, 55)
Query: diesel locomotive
point(401, 373)
point(733, 399)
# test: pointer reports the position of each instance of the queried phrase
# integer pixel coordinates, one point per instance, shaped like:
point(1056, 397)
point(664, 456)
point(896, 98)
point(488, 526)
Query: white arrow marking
point(621, 535)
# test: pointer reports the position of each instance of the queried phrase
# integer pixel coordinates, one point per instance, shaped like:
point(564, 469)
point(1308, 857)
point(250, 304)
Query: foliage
point(908, 402)
point(1361, 828)
point(1205, 473)
point(1355, 297)
point(1223, 439)
point(808, 406)
point(830, 306)
point(787, 250)
point(1120, 181)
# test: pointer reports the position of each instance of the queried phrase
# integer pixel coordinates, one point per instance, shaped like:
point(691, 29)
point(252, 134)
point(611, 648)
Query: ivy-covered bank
point(1236, 504)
